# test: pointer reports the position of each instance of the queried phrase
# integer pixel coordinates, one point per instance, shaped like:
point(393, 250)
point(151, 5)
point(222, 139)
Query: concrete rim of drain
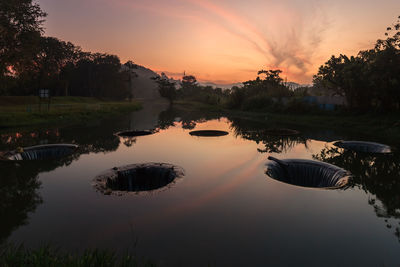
point(364, 147)
point(40, 152)
point(308, 173)
point(138, 178)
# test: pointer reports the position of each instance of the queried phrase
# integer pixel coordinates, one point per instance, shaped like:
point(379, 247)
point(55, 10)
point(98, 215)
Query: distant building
point(326, 102)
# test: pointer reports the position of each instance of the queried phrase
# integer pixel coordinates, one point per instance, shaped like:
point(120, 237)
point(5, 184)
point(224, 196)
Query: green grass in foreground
point(12, 256)
point(384, 126)
point(24, 111)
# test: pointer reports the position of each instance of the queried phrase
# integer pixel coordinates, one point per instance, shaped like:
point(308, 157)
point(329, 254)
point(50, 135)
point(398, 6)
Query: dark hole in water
point(41, 152)
point(208, 133)
point(138, 178)
point(364, 147)
point(307, 173)
point(134, 133)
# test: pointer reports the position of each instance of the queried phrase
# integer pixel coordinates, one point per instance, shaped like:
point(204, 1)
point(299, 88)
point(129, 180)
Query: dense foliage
point(166, 87)
point(370, 81)
point(11, 255)
point(259, 93)
point(264, 93)
point(30, 61)
point(20, 32)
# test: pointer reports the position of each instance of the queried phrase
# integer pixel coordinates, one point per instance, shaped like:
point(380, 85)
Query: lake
point(224, 211)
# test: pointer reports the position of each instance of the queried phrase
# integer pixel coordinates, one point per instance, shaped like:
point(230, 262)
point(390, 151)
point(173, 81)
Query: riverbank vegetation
point(30, 61)
point(366, 83)
point(384, 126)
point(11, 256)
point(16, 111)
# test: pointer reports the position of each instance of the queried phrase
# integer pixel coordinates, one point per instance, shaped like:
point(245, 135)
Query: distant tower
point(184, 73)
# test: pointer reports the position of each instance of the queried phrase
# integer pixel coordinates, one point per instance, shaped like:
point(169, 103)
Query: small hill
point(142, 85)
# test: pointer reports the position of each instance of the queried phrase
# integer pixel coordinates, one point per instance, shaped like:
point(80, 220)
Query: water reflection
point(378, 175)
point(188, 119)
point(247, 129)
point(128, 141)
point(96, 137)
point(258, 132)
point(19, 183)
point(18, 196)
point(209, 209)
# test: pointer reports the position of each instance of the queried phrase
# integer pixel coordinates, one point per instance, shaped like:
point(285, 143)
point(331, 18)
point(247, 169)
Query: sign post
point(44, 96)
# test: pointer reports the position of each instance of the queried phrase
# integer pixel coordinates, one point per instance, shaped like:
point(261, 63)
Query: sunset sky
point(222, 41)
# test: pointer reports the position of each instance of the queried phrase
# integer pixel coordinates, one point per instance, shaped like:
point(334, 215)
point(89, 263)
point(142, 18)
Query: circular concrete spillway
point(41, 152)
point(307, 173)
point(365, 147)
point(134, 133)
point(208, 133)
point(137, 178)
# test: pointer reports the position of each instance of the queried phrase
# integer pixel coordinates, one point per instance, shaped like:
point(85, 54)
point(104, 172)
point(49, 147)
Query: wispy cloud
point(290, 45)
point(295, 48)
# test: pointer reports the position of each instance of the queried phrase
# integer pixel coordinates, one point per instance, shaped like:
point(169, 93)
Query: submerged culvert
point(365, 147)
point(41, 152)
point(137, 178)
point(134, 133)
point(307, 173)
point(208, 133)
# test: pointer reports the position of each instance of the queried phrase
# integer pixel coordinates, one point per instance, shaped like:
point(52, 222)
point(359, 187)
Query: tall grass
point(15, 256)
point(26, 111)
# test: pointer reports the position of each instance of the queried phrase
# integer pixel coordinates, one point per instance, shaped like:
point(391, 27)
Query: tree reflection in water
point(97, 138)
point(247, 129)
point(18, 196)
point(19, 183)
point(188, 119)
point(378, 175)
point(129, 141)
point(272, 140)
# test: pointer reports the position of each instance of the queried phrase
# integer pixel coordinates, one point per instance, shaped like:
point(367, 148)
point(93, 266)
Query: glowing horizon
point(222, 41)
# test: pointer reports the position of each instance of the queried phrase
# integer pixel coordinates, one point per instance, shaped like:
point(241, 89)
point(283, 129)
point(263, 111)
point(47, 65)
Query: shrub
point(257, 102)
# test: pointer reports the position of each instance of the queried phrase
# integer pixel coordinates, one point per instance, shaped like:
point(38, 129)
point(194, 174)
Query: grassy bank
point(11, 256)
point(27, 111)
point(386, 126)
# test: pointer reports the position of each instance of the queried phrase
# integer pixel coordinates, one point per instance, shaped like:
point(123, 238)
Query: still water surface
point(225, 211)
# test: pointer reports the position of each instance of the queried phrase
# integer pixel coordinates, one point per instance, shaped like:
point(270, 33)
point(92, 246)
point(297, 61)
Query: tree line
point(30, 61)
point(263, 93)
point(370, 82)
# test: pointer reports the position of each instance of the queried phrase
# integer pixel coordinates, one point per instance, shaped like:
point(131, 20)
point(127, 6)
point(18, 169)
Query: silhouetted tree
point(166, 88)
point(20, 30)
point(258, 93)
point(369, 81)
point(29, 61)
point(189, 85)
point(99, 75)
